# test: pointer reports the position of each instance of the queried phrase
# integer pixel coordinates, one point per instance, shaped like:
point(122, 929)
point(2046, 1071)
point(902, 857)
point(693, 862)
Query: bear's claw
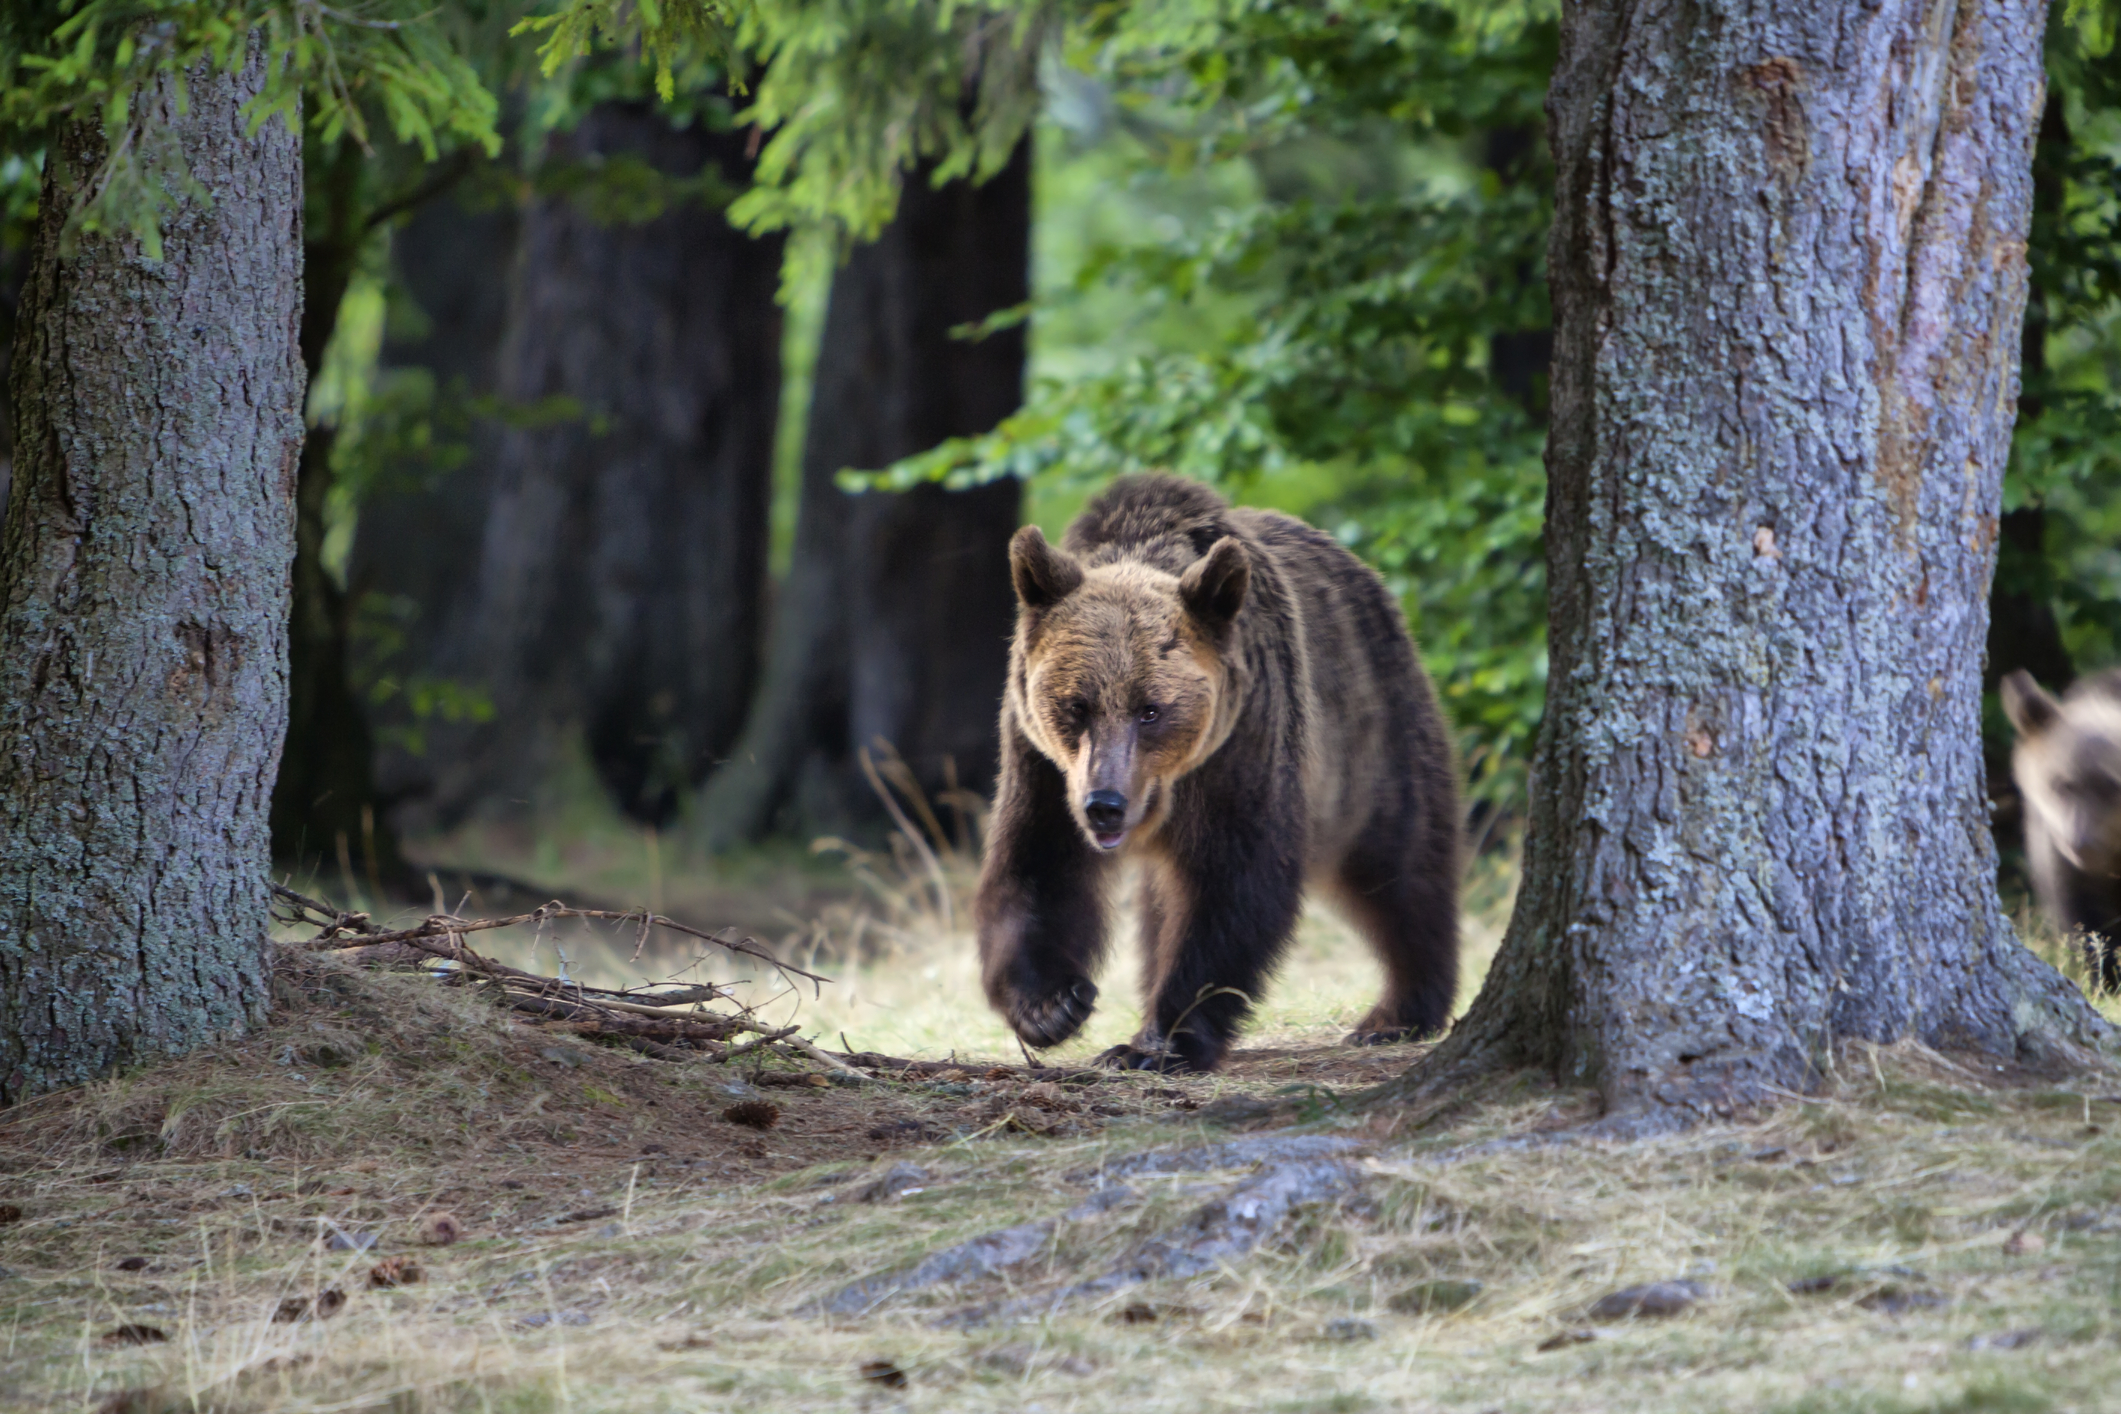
point(1378, 1036)
point(1053, 1018)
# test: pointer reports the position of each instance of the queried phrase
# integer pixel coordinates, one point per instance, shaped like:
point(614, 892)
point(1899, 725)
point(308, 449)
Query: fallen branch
point(929, 1069)
point(576, 1015)
point(450, 930)
point(765, 1038)
point(667, 1025)
point(827, 1059)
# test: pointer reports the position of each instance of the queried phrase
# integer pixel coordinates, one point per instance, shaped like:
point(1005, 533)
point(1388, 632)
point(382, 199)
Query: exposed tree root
point(1299, 1170)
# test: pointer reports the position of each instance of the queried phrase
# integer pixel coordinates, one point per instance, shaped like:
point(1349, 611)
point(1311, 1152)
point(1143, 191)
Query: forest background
point(594, 368)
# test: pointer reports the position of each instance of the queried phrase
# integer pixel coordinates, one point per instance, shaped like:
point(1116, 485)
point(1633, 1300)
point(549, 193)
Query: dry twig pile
point(667, 1022)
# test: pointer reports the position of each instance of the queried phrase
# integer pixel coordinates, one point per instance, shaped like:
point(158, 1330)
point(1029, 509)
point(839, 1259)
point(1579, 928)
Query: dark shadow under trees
point(894, 623)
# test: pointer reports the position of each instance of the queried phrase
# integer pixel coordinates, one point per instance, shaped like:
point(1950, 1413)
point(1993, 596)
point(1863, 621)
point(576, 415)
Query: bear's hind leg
point(1404, 901)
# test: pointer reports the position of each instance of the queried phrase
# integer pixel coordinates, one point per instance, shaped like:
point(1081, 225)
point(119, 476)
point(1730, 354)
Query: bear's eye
point(1076, 712)
point(1149, 715)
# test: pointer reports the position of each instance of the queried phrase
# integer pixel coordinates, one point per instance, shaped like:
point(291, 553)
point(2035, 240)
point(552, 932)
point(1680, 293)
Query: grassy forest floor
point(591, 1233)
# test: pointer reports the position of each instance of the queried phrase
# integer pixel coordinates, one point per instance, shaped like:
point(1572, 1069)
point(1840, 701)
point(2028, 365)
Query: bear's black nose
point(1106, 810)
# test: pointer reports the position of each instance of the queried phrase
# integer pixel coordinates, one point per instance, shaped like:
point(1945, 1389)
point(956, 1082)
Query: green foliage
point(2066, 453)
point(855, 93)
point(670, 35)
point(1351, 372)
point(97, 61)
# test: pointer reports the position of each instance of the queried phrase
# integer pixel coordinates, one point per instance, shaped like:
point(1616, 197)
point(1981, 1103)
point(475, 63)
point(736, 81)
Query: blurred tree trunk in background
point(621, 566)
point(1788, 265)
point(144, 601)
point(894, 623)
point(324, 797)
point(414, 560)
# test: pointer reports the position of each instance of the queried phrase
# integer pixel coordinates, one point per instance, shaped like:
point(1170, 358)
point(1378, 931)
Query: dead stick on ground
point(453, 928)
point(442, 935)
point(764, 1038)
point(826, 1059)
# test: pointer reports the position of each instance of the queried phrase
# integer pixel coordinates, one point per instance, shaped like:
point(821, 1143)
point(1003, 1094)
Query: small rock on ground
point(1655, 1298)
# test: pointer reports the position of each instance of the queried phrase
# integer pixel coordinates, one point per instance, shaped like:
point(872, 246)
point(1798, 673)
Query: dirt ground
point(400, 1198)
point(375, 1101)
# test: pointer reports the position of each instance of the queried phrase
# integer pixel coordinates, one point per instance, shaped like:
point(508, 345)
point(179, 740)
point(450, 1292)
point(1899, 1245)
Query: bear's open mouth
point(1110, 841)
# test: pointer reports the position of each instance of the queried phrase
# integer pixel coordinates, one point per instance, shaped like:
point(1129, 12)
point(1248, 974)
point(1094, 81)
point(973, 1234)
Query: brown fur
point(1246, 690)
point(2067, 763)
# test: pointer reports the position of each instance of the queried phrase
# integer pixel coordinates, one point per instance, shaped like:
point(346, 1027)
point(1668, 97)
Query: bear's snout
point(1106, 810)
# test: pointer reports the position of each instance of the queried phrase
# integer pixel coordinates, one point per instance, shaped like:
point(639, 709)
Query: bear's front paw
point(1387, 1025)
point(1052, 1018)
point(1132, 1057)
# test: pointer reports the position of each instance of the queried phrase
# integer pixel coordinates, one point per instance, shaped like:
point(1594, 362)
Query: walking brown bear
point(1231, 698)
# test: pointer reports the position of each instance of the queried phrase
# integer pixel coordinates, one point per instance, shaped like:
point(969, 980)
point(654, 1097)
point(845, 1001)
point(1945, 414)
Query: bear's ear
point(2028, 706)
point(1213, 586)
point(1044, 576)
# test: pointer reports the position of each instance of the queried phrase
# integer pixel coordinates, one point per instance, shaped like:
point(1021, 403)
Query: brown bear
point(2067, 763)
point(1231, 698)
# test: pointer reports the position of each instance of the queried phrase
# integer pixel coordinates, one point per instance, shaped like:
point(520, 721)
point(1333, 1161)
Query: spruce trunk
point(1788, 265)
point(892, 630)
point(623, 564)
point(413, 571)
point(144, 603)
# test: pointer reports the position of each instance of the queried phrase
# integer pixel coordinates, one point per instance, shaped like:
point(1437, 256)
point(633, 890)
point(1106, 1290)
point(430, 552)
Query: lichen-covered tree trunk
point(894, 622)
point(1788, 267)
point(143, 603)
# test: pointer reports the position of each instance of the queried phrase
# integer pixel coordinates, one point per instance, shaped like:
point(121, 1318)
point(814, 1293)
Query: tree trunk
point(324, 797)
point(14, 263)
point(415, 558)
point(624, 551)
point(893, 626)
point(1788, 265)
point(144, 601)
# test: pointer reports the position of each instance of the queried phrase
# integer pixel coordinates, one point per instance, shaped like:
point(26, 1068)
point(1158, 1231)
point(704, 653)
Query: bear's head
point(2067, 762)
point(1126, 676)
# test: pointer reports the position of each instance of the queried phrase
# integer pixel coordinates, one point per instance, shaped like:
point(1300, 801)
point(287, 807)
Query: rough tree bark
point(14, 263)
point(623, 561)
point(894, 623)
point(143, 604)
point(1788, 265)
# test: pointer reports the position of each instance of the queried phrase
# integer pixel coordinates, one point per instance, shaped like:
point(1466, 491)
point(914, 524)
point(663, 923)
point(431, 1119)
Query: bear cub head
point(1126, 676)
point(2067, 762)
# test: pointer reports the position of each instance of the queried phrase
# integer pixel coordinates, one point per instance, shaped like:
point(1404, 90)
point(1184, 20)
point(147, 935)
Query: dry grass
point(687, 1296)
point(376, 1101)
